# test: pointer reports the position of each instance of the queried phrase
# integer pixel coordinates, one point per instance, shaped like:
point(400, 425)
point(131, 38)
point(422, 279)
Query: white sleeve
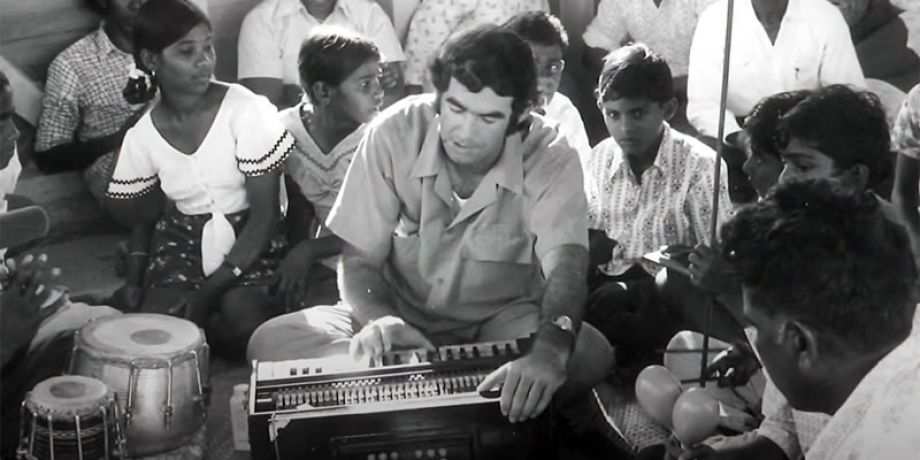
point(704, 77)
point(262, 143)
point(259, 50)
point(608, 28)
point(778, 425)
point(839, 62)
point(380, 29)
point(905, 134)
point(135, 174)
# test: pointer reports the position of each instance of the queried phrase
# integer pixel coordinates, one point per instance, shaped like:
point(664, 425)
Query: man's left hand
point(528, 383)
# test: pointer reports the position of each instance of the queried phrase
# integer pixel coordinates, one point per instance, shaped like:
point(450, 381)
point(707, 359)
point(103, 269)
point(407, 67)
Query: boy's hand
point(708, 271)
point(25, 289)
point(600, 247)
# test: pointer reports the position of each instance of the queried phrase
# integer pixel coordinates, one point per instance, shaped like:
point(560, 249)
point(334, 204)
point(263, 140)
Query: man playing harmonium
point(463, 219)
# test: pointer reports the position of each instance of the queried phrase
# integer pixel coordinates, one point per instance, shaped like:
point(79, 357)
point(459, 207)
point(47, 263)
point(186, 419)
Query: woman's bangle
point(138, 254)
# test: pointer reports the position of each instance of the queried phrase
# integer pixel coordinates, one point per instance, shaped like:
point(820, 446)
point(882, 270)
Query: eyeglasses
point(551, 68)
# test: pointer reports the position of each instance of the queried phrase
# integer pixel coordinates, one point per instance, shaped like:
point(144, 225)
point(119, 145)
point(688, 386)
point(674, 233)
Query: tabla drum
point(157, 366)
point(70, 417)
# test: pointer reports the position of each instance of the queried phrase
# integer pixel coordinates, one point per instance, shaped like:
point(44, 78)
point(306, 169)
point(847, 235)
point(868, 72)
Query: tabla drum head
point(145, 334)
point(68, 394)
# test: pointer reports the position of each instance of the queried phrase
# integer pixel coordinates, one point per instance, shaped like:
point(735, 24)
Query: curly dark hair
point(489, 56)
point(825, 254)
point(762, 125)
point(845, 124)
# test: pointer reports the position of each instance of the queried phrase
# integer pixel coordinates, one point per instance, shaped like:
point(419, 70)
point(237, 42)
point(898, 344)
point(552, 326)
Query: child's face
point(635, 123)
point(8, 132)
point(188, 64)
point(762, 169)
point(802, 161)
point(359, 96)
point(549, 67)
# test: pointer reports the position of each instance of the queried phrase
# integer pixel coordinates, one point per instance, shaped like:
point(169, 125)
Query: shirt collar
point(508, 171)
point(663, 160)
point(104, 43)
point(287, 8)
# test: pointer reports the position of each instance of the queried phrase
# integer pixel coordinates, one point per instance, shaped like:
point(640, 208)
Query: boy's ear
point(670, 108)
point(320, 93)
point(857, 176)
point(149, 60)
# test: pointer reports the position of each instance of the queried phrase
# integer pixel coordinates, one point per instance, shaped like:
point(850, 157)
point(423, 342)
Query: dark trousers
point(629, 310)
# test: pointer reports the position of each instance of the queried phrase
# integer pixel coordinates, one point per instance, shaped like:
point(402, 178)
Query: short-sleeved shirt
point(435, 20)
point(666, 28)
point(561, 110)
point(450, 266)
point(271, 35)
point(83, 93)
point(672, 204)
point(905, 134)
point(812, 49)
point(246, 138)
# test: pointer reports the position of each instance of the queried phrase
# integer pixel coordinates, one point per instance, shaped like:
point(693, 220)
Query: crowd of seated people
point(320, 207)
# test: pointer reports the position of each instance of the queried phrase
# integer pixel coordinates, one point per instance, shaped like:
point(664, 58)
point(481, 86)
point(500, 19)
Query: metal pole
point(714, 223)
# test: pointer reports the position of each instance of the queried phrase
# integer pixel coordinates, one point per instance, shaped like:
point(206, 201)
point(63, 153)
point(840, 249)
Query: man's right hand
point(25, 289)
point(383, 334)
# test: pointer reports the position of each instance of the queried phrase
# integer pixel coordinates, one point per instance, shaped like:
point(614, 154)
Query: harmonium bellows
point(411, 404)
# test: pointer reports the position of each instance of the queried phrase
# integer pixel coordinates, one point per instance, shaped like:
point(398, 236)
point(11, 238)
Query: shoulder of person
point(407, 114)
point(691, 146)
point(76, 51)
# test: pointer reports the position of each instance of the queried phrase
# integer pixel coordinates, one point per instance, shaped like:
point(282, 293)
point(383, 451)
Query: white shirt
point(813, 49)
point(667, 28)
point(879, 418)
point(9, 176)
point(246, 138)
point(793, 431)
point(672, 205)
point(561, 110)
point(271, 35)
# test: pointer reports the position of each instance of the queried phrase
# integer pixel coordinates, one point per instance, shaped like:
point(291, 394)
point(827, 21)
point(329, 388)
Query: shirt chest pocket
point(496, 243)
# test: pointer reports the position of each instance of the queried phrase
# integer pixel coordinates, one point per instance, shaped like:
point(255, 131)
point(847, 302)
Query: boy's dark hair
point(635, 71)
point(762, 125)
point(159, 23)
point(489, 56)
point(824, 254)
point(97, 6)
point(845, 124)
point(539, 27)
point(330, 54)
point(4, 81)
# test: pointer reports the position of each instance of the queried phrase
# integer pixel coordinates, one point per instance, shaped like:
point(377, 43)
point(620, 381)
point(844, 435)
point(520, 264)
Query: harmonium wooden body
point(414, 404)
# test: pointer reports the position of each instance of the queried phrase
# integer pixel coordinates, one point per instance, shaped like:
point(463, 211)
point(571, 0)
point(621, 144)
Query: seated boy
point(834, 133)
point(338, 72)
point(84, 115)
point(546, 37)
point(647, 186)
point(273, 31)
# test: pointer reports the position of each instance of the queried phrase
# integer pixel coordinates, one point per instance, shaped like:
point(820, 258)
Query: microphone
point(22, 226)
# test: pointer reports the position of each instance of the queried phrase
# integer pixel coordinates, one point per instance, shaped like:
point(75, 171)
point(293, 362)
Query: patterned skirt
point(175, 252)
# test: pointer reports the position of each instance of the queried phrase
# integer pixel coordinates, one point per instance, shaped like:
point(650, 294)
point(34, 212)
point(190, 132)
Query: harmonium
point(412, 404)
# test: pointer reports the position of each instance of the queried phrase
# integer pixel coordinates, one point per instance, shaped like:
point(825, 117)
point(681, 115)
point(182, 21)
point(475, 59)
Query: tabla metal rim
point(146, 339)
point(69, 395)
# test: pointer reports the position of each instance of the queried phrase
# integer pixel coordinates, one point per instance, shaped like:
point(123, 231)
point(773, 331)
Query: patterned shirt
point(83, 94)
point(273, 31)
point(879, 418)
point(813, 49)
point(435, 20)
point(666, 28)
point(905, 134)
point(671, 205)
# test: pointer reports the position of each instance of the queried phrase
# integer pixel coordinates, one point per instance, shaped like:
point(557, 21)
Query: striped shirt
point(671, 205)
point(83, 99)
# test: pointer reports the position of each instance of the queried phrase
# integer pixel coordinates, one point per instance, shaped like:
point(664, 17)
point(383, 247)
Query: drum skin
point(157, 366)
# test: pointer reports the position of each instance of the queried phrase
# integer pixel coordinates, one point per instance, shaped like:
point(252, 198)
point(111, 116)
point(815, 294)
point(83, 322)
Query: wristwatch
point(563, 324)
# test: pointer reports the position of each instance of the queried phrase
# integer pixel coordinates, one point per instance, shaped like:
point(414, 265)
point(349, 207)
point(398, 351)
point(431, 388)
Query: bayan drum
point(157, 365)
point(69, 417)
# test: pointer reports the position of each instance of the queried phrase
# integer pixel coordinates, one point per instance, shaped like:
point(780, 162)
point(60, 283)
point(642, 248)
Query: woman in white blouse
point(214, 150)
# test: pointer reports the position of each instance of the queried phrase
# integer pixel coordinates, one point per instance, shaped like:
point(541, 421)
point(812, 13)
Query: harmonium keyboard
point(412, 404)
